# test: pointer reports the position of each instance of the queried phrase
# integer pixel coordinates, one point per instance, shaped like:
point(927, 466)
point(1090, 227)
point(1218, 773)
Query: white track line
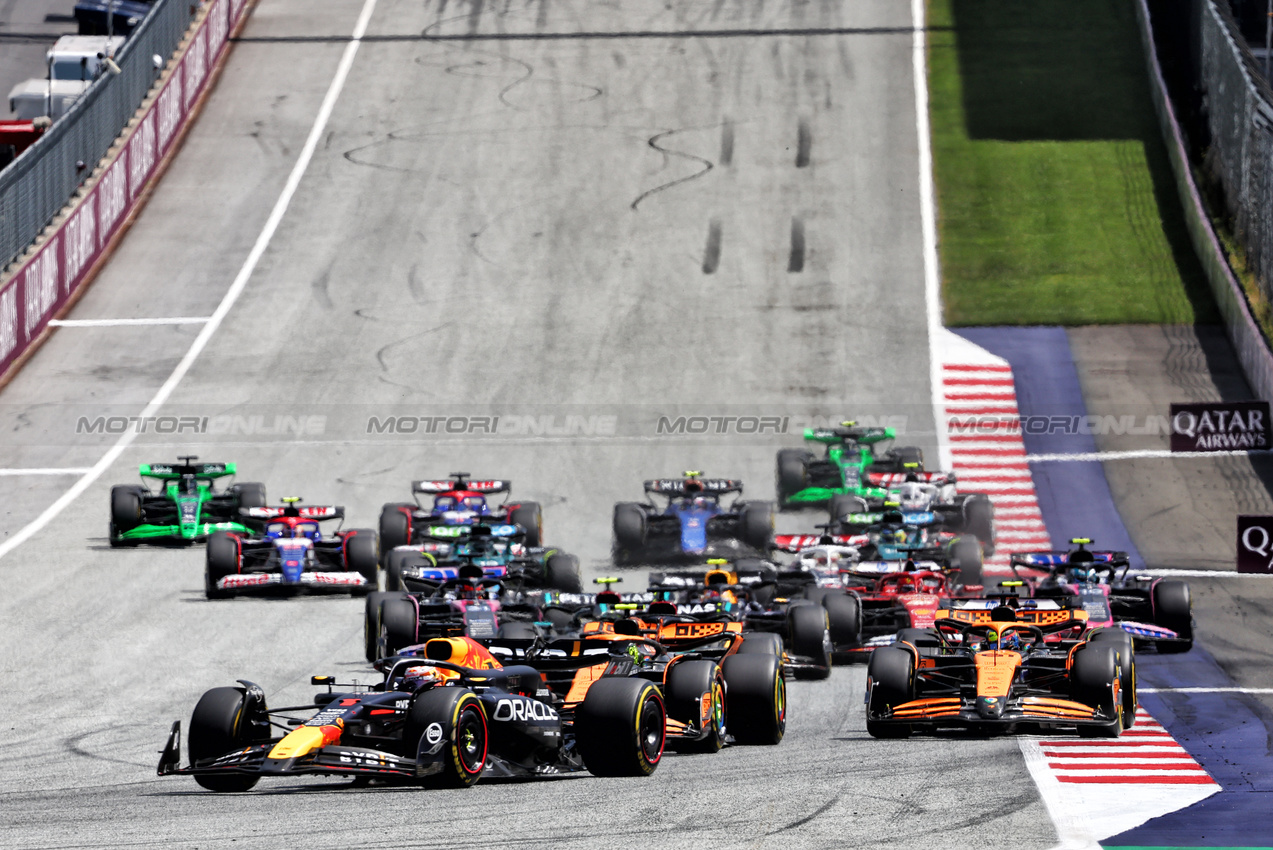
point(110, 323)
point(928, 227)
point(232, 295)
point(47, 470)
point(1136, 455)
point(1204, 690)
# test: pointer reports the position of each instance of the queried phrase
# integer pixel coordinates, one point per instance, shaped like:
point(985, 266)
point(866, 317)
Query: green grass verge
point(1055, 195)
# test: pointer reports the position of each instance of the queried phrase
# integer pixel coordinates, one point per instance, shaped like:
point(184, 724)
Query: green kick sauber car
point(184, 507)
point(852, 451)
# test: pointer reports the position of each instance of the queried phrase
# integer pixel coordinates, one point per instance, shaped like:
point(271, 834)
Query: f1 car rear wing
point(724, 576)
point(315, 512)
point(849, 432)
point(1049, 620)
point(693, 486)
point(460, 481)
point(1052, 562)
point(797, 542)
point(175, 471)
point(892, 479)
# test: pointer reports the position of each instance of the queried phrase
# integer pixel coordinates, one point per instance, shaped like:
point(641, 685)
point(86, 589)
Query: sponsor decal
point(113, 191)
point(1220, 426)
point(1255, 544)
point(40, 286)
point(170, 111)
point(218, 28)
point(8, 321)
point(522, 710)
point(195, 66)
point(433, 733)
point(141, 155)
point(696, 630)
point(81, 240)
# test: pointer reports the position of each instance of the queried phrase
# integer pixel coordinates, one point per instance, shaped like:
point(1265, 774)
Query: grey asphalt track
point(631, 226)
point(1181, 512)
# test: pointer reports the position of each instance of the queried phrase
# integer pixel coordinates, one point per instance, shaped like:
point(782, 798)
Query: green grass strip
point(1055, 196)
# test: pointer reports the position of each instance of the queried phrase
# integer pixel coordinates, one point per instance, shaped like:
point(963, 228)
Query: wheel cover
point(471, 740)
point(718, 709)
point(780, 701)
point(651, 728)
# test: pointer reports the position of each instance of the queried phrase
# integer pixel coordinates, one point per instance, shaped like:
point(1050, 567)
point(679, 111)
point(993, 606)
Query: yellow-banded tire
point(621, 727)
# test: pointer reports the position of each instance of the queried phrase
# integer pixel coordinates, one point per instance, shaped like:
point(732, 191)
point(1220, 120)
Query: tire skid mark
point(711, 256)
point(802, 821)
point(804, 141)
point(727, 143)
point(795, 263)
point(654, 142)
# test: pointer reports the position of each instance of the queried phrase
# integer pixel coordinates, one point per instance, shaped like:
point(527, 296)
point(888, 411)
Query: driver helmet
point(419, 677)
point(1081, 574)
point(476, 504)
point(913, 497)
point(702, 502)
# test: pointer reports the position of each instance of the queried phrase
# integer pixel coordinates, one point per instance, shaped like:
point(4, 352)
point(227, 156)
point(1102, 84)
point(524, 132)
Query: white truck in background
point(74, 62)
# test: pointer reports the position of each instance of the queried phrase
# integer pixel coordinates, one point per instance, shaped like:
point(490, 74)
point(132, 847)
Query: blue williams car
point(692, 524)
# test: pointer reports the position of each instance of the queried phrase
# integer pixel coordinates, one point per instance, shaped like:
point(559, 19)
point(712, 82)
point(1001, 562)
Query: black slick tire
point(687, 682)
point(756, 698)
point(221, 559)
point(890, 677)
point(220, 725)
point(621, 727)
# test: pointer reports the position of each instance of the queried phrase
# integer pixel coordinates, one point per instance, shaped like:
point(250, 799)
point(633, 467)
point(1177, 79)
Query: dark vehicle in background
point(691, 524)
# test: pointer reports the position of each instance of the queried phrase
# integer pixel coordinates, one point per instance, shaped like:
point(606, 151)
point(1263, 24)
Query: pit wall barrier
point(50, 277)
point(1248, 340)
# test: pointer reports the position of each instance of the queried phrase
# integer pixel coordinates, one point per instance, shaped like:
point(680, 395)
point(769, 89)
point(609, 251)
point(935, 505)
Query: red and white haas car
point(292, 554)
point(456, 500)
point(893, 594)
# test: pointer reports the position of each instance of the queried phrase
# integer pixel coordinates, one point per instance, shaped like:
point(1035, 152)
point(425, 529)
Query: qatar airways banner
point(1220, 426)
point(40, 286)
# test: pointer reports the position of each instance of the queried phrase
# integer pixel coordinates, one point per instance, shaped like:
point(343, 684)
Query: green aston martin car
point(854, 455)
point(180, 503)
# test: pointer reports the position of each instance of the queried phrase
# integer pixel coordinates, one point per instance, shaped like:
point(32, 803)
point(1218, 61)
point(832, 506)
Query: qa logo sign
point(1255, 544)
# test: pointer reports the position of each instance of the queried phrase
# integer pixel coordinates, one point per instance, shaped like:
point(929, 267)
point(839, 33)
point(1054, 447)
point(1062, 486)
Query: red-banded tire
point(621, 727)
point(755, 698)
point(220, 725)
point(459, 714)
